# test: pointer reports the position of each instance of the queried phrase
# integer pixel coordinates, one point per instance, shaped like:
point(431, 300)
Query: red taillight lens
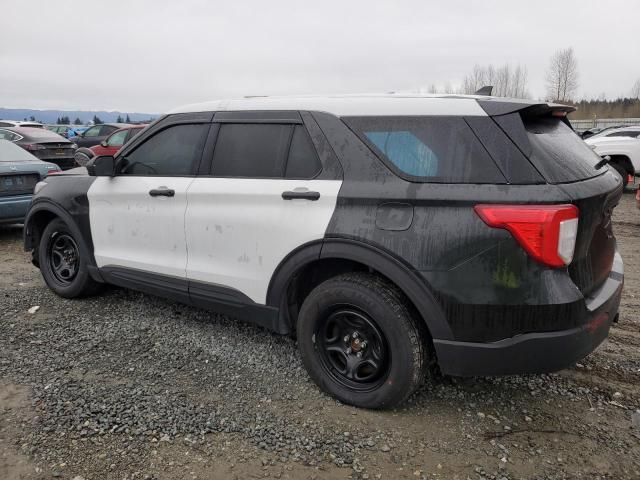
point(33, 146)
point(547, 232)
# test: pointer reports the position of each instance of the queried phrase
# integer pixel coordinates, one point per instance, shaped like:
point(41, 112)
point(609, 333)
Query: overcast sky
point(153, 55)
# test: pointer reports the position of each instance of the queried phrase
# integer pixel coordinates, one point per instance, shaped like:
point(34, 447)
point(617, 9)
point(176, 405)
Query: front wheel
point(360, 341)
point(63, 263)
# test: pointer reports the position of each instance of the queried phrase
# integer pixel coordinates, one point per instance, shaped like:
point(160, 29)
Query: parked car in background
point(109, 146)
point(67, 131)
point(19, 173)
point(19, 123)
point(44, 144)
point(622, 146)
point(599, 131)
point(471, 233)
point(97, 133)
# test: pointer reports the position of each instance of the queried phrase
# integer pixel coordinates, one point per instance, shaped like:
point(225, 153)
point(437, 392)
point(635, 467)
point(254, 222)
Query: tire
point(63, 262)
point(622, 172)
point(360, 313)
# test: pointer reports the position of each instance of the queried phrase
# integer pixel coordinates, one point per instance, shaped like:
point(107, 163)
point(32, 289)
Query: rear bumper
point(13, 209)
point(538, 352)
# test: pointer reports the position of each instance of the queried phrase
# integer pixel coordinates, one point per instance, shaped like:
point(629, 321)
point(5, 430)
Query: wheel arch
point(39, 216)
point(312, 263)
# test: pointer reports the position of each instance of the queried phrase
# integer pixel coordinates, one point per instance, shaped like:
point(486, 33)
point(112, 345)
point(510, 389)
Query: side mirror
point(102, 166)
point(103, 143)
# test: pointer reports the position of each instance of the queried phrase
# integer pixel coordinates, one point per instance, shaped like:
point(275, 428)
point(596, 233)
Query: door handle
point(162, 192)
point(303, 195)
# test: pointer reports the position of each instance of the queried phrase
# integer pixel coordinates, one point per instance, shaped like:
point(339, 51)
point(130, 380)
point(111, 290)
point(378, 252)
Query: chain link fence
point(582, 125)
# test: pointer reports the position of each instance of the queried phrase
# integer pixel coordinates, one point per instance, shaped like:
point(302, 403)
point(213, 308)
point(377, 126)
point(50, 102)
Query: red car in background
point(109, 146)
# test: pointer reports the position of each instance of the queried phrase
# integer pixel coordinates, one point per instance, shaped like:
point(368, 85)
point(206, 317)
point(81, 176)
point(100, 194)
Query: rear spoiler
point(497, 106)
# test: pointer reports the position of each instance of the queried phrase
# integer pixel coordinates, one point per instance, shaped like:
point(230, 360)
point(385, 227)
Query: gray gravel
point(123, 384)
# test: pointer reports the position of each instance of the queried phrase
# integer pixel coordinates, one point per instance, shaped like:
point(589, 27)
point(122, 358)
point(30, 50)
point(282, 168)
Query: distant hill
point(50, 116)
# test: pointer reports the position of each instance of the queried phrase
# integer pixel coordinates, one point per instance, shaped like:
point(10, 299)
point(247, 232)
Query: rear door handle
point(162, 192)
point(303, 195)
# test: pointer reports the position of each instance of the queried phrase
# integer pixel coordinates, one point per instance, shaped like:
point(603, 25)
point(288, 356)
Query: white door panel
point(132, 229)
point(239, 230)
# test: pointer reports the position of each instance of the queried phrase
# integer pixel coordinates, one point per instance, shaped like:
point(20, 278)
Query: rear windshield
point(428, 149)
point(10, 152)
point(558, 152)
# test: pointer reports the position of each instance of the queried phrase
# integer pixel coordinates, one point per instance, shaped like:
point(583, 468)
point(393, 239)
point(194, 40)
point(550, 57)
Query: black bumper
point(538, 352)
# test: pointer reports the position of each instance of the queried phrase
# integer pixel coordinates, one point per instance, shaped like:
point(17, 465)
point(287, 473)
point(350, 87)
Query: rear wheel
point(360, 341)
point(63, 262)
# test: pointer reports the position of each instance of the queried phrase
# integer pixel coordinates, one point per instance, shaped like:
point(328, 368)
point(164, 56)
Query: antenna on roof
point(486, 91)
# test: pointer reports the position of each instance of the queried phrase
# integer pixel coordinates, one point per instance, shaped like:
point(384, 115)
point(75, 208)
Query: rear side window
point(628, 133)
point(558, 152)
point(264, 151)
point(428, 149)
point(174, 151)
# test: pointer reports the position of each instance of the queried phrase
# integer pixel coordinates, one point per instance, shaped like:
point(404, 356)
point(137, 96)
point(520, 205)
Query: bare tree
point(506, 81)
point(562, 76)
point(635, 90)
point(433, 88)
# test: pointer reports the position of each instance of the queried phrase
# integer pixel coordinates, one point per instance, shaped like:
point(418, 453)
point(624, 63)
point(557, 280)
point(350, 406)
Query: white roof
point(351, 105)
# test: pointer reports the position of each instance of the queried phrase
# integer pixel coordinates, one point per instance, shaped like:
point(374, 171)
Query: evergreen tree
point(77, 121)
point(128, 120)
point(96, 120)
point(119, 119)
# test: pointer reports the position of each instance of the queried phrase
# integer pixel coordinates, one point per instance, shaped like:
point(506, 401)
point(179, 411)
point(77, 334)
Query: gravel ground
point(128, 386)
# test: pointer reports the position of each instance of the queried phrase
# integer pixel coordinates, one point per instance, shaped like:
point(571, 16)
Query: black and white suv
point(388, 233)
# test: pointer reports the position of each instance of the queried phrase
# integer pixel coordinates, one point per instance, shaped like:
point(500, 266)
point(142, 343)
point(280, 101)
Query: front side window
point(174, 151)
point(117, 139)
point(428, 149)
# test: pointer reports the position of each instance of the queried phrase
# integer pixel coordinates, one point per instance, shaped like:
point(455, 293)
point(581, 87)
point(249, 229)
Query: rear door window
point(251, 150)
point(428, 149)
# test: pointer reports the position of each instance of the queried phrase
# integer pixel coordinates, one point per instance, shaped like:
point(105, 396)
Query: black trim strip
point(218, 298)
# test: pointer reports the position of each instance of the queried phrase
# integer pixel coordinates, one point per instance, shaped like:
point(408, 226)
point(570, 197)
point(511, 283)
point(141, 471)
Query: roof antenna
point(486, 91)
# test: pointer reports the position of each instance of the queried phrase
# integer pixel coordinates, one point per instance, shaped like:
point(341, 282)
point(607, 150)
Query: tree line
point(561, 80)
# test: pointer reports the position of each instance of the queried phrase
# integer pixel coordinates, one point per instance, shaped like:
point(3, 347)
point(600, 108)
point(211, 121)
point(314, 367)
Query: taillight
point(33, 146)
point(546, 232)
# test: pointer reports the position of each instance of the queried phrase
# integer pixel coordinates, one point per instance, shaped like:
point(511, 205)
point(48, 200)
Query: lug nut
point(363, 345)
point(359, 354)
point(355, 335)
point(349, 351)
point(346, 338)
